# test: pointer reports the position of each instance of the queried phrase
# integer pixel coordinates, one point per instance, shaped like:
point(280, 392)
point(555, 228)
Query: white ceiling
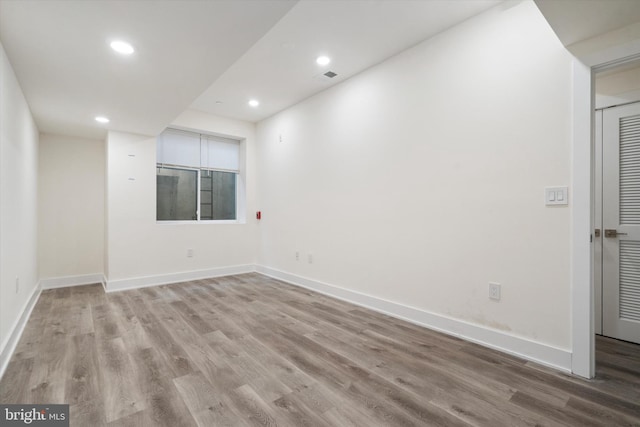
point(576, 20)
point(190, 54)
point(214, 55)
point(59, 50)
point(280, 69)
point(618, 85)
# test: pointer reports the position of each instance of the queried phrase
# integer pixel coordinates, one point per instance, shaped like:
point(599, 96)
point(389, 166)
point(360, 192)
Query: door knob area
point(613, 233)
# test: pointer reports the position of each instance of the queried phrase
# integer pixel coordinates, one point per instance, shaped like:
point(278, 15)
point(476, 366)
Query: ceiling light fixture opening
point(122, 47)
point(102, 119)
point(254, 103)
point(323, 60)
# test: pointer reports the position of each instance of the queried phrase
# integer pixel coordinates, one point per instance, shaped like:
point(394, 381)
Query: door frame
point(583, 360)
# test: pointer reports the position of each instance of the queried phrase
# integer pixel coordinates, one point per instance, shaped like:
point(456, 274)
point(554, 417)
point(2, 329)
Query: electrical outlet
point(310, 258)
point(17, 285)
point(190, 253)
point(297, 256)
point(494, 291)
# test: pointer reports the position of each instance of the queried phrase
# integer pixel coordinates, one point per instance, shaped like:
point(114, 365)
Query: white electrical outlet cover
point(494, 291)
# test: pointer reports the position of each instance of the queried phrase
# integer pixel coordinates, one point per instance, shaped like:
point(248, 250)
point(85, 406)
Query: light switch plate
point(556, 196)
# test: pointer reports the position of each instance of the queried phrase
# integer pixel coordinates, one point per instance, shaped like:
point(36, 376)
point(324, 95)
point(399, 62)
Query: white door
point(621, 222)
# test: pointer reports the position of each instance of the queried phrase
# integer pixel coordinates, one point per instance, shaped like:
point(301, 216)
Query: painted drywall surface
point(70, 206)
point(611, 46)
point(616, 87)
point(18, 200)
point(105, 206)
point(138, 246)
point(422, 179)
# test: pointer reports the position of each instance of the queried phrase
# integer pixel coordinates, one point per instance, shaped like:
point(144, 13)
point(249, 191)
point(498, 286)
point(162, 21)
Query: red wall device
point(258, 215)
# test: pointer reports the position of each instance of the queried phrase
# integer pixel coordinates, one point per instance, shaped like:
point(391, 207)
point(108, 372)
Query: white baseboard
point(165, 279)
point(527, 349)
point(531, 350)
point(64, 282)
point(10, 343)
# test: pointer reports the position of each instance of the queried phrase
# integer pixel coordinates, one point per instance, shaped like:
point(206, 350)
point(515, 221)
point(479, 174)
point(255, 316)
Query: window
point(197, 177)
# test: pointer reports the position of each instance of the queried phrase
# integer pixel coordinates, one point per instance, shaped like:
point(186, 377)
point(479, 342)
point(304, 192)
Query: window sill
point(208, 222)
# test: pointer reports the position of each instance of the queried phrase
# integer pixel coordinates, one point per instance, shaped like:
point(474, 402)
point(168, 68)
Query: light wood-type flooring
point(249, 350)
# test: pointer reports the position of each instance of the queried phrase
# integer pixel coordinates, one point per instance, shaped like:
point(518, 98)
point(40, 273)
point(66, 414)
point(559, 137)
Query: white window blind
point(194, 150)
point(220, 153)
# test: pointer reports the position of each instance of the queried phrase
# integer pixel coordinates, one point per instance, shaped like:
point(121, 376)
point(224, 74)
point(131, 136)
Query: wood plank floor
point(249, 350)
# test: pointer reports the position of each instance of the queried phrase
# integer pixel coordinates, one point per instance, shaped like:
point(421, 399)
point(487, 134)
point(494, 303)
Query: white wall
point(142, 251)
point(615, 87)
point(70, 206)
point(422, 179)
point(18, 201)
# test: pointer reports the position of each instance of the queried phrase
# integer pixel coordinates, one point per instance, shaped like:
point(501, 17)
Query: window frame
point(184, 168)
point(235, 187)
point(238, 175)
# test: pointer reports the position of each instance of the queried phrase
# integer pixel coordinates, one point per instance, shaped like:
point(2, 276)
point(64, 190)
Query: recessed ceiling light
point(323, 60)
point(102, 119)
point(254, 103)
point(122, 47)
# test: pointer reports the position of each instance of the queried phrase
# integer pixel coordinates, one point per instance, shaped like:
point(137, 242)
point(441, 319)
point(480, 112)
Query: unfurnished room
point(319, 213)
